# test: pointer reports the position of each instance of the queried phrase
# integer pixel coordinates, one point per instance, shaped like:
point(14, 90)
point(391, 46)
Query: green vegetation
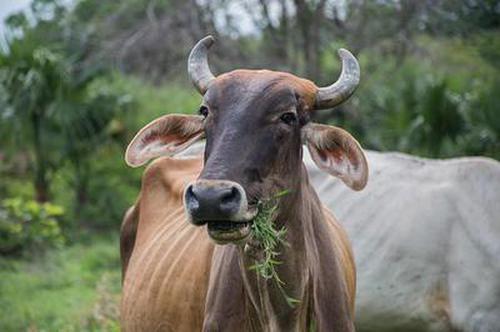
point(73, 289)
point(152, 101)
point(437, 105)
point(265, 234)
point(29, 226)
point(268, 237)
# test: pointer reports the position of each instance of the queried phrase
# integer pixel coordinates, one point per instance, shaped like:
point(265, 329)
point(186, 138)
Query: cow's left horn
point(198, 68)
point(341, 90)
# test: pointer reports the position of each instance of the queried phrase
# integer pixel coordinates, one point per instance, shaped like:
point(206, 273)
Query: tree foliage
point(67, 73)
point(55, 105)
point(29, 225)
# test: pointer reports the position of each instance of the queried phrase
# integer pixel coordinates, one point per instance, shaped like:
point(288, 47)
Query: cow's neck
point(238, 297)
point(265, 298)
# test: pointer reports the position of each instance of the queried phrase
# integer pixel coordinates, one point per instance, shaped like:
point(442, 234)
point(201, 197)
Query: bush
point(26, 224)
point(483, 137)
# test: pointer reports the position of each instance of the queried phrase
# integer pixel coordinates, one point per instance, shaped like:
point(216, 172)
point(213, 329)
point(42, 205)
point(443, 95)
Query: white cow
point(426, 239)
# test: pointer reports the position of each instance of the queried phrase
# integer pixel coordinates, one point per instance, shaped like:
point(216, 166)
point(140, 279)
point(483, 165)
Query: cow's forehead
point(243, 83)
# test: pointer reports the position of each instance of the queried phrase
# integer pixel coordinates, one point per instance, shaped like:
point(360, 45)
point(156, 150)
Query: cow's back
point(426, 238)
point(167, 275)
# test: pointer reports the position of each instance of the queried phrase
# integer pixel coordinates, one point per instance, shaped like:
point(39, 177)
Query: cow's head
point(254, 122)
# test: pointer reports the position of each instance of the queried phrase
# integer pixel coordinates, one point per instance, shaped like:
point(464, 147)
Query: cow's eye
point(203, 111)
point(289, 118)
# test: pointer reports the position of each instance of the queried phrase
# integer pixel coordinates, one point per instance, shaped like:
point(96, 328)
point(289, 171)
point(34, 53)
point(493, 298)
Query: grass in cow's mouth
point(269, 238)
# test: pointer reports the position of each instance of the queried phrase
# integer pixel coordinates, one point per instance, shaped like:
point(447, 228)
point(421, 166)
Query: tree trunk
point(82, 171)
point(41, 184)
point(303, 17)
point(278, 35)
point(285, 33)
point(309, 20)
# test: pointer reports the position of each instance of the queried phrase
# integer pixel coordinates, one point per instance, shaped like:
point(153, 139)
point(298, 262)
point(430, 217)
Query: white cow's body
point(426, 239)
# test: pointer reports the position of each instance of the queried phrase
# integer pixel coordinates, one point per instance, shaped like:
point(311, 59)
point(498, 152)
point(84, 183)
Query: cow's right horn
point(198, 68)
point(343, 88)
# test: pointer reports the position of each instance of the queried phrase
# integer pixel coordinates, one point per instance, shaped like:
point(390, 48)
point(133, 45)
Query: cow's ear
point(164, 136)
point(336, 152)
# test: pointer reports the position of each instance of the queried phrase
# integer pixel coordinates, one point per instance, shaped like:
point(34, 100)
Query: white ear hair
point(165, 136)
point(336, 152)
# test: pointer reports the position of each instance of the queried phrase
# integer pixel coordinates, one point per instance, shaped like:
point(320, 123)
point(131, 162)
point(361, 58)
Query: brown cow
point(175, 276)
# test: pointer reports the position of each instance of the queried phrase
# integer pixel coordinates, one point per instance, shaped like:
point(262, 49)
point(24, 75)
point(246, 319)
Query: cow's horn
point(198, 68)
point(341, 90)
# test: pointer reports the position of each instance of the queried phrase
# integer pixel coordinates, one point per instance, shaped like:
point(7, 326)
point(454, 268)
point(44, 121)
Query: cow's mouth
point(223, 232)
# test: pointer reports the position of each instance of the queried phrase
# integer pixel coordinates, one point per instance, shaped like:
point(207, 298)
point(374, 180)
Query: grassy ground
point(71, 289)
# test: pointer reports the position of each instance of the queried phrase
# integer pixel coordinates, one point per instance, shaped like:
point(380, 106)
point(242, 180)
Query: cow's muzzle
point(222, 205)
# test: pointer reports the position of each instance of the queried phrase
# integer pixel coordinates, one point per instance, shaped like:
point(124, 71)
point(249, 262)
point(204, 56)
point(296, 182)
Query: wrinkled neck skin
point(238, 297)
point(266, 298)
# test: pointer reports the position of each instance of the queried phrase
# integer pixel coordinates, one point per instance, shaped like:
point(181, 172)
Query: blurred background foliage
point(78, 78)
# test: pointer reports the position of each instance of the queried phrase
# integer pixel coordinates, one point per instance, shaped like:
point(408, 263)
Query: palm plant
point(54, 106)
point(32, 77)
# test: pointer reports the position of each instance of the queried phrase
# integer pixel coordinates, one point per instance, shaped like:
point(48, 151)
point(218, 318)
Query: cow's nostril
point(231, 196)
point(192, 202)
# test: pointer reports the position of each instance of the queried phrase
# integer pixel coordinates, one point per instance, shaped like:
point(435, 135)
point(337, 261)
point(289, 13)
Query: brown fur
point(173, 264)
point(306, 88)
